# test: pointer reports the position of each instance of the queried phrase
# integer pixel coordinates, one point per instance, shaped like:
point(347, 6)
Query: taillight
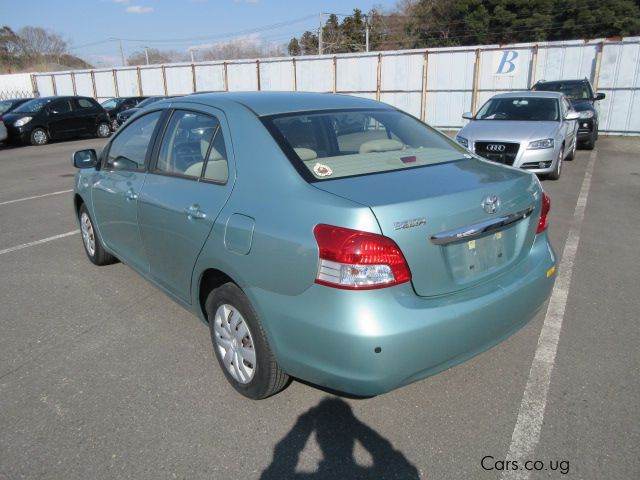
point(543, 223)
point(355, 260)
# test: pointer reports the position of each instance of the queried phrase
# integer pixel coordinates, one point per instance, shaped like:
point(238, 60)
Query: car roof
point(530, 93)
point(273, 103)
point(571, 80)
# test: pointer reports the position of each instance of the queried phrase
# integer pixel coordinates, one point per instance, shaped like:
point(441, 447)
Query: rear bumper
point(330, 337)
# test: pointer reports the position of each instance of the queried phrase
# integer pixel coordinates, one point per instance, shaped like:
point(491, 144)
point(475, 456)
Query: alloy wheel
point(234, 343)
point(88, 235)
point(40, 137)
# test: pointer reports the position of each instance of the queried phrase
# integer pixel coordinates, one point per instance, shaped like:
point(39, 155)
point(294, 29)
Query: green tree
point(294, 47)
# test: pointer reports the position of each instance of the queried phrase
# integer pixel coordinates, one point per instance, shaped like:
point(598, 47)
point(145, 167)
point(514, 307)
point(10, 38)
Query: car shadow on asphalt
point(337, 430)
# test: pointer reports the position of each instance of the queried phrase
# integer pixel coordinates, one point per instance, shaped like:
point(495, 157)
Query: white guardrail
point(436, 85)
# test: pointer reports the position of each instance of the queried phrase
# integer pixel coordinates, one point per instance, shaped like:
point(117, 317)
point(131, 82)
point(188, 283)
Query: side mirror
point(467, 116)
point(572, 115)
point(600, 96)
point(85, 158)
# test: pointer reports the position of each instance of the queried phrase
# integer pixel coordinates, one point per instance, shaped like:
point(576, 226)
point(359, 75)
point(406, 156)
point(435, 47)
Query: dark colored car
point(124, 115)
point(42, 119)
point(114, 106)
point(583, 100)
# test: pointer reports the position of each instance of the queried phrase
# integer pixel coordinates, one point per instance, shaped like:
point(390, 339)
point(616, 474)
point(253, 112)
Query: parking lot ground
point(103, 376)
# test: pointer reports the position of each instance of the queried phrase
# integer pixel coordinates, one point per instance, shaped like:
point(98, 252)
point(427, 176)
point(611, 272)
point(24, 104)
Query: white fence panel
point(84, 85)
point(410, 102)
point(242, 76)
point(44, 85)
point(449, 87)
point(315, 75)
point(507, 69)
point(566, 61)
point(64, 84)
point(401, 72)
point(127, 82)
point(210, 77)
point(357, 74)
point(152, 81)
point(620, 81)
point(16, 85)
point(105, 87)
point(276, 75)
point(179, 80)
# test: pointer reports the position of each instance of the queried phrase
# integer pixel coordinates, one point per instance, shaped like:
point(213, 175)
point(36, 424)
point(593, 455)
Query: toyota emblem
point(491, 203)
point(496, 147)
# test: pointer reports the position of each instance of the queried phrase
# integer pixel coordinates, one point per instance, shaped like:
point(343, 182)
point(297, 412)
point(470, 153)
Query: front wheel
point(572, 153)
point(240, 344)
point(555, 175)
point(90, 240)
point(39, 136)
point(103, 130)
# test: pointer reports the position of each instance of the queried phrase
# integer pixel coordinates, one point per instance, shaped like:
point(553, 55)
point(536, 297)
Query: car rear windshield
point(336, 144)
point(32, 106)
point(519, 108)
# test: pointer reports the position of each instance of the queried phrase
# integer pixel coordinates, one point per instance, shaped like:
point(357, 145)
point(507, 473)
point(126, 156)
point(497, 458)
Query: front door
point(117, 188)
point(183, 194)
point(61, 120)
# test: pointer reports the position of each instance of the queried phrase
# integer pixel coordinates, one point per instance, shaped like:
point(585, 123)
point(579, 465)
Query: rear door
point(85, 112)
point(183, 194)
point(117, 188)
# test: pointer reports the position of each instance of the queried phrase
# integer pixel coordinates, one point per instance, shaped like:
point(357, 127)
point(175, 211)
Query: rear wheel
point(103, 130)
point(39, 136)
point(90, 240)
point(241, 345)
point(555, 175)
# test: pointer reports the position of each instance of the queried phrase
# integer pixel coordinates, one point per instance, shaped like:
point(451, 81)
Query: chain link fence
point(8, 94)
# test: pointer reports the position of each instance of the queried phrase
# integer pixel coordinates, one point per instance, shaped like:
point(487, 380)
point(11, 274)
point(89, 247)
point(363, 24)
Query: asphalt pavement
point(102, 376)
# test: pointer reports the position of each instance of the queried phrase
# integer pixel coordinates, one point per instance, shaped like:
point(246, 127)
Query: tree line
point(438, 23)
point(34, 48)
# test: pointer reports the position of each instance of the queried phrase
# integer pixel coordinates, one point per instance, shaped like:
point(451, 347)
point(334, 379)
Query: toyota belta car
point(535, 131)
point(323, 237)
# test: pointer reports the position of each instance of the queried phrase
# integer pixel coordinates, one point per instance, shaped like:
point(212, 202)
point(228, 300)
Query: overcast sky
point(170, 24)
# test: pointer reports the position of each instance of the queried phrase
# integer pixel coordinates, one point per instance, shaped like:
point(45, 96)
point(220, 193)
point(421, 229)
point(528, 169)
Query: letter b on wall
point(506, 62)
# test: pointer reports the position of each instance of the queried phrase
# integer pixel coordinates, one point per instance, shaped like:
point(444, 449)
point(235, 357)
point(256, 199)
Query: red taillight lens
point(543, 223)
point(356, 260)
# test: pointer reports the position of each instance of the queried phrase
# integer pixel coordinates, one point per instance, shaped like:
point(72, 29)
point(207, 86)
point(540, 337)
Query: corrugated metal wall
point(436, 85)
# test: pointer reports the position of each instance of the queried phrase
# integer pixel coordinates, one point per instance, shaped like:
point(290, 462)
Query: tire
point(555, 175)
point(114, 125)
point(90, 240)
point(39, 136)
point(572, 154)
point(103, 130)
point(240, 344)
point(590, 144)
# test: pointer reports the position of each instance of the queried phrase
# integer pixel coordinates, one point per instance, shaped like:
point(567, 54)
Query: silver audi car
point(531, 130)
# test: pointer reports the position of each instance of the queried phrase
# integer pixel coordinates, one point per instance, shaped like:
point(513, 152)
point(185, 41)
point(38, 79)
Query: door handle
point(194, 212)
point(131, 195)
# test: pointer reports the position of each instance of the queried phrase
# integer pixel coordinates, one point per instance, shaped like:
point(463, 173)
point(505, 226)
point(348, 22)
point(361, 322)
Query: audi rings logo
point(490, 203)
point(496, 147)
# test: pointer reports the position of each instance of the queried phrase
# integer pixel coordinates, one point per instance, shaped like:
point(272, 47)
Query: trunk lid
point(449, 197)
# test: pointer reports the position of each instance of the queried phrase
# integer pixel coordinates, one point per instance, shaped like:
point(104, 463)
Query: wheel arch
point(210, 279)
point(77, 203)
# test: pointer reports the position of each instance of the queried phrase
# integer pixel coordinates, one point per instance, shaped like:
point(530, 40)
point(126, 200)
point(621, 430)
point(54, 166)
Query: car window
point(216, 165)
point(128, 149)
point(519, 108)
point(186, 143)
point(33, 106)
point(84, 103)
point(573, 90)
point(5, 105)
point(331, 145)
point(61, 106)
point(111, 103)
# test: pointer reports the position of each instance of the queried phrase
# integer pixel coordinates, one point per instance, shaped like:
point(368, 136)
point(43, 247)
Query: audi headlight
point(462, 141)
point(540, 144)
point(22, 121)
point(586, 114)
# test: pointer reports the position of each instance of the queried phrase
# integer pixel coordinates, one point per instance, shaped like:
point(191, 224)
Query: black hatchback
point(42, 119)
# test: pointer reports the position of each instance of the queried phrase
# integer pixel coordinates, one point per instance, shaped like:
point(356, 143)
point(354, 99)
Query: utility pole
point(320, 37)
point(146, 54)
point(366, 30)
point(124, 64)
